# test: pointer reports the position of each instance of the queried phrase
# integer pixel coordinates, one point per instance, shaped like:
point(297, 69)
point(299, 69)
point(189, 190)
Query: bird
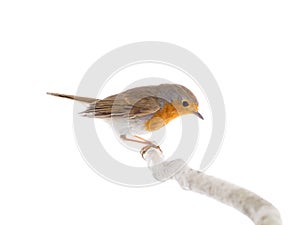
point(140, 110)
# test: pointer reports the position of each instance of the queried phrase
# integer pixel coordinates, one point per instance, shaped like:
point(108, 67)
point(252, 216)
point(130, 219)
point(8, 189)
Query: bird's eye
point(185, 103)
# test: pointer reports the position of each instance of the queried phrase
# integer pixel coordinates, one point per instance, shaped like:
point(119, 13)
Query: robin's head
point(183, 100)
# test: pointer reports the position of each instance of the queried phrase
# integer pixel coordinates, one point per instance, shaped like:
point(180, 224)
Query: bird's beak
point(199, 115)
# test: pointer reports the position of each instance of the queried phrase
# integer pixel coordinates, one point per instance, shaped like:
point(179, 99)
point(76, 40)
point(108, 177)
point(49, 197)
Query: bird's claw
point(145, 149)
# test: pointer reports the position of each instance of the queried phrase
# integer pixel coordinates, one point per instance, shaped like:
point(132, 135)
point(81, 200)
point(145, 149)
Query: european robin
point(142, 109)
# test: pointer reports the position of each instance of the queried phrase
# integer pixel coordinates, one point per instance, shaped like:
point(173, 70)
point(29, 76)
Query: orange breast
point(161, 117)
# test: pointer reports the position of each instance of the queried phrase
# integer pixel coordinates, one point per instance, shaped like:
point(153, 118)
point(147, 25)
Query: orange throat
point(162, 117)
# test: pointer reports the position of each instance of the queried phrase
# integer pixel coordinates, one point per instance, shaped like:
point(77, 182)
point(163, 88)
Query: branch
point(260, 211)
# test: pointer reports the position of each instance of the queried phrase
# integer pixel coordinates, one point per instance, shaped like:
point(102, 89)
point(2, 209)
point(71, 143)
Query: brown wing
point(122, 106)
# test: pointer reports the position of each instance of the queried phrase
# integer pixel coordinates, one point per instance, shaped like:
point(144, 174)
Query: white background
point(252, 48)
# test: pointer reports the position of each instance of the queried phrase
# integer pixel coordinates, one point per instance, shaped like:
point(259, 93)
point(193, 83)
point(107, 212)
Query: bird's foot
point(141, 140)
point(149, 143)
point(145, 149)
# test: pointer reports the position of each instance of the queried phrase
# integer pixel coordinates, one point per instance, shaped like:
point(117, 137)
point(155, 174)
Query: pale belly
point(129, 127)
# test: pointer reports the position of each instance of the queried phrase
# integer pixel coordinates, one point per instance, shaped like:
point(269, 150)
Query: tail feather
point(74, 97)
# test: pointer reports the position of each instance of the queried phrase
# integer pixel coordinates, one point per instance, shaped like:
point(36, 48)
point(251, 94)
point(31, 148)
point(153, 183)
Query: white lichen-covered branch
point(260, 211)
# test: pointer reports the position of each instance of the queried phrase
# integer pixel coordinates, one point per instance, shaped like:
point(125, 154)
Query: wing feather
point(122, 106)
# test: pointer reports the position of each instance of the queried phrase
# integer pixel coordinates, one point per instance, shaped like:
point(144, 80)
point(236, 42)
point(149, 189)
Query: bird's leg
point(124, 138)
point(151, 144)
point(146, 141)
point(141, 140)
